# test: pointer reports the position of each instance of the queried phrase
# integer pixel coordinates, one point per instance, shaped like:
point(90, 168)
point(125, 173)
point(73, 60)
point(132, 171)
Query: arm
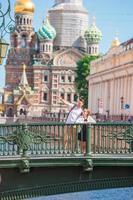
point(91, 120)
point(65, 102)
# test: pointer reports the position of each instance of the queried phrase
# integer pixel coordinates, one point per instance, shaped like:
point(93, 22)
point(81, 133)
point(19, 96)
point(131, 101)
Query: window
point(54, 102)
point(62, 95)
point(46, 47)
point(46, 78)
point(45, 96)
point(68, 97)
point(55, 86)
point(63, 79)
point(75, 97)
point(24, 20)
point(70, 79)
point(20, 20)
point(24, 41)
point(89, 50)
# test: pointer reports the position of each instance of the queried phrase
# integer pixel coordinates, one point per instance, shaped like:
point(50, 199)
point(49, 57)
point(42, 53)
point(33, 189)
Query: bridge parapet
point(50, 140)
point(57, 145)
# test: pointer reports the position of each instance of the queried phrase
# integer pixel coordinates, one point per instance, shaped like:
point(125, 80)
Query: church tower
point(92, 36)
point(46, 34)
point(22, 43)
point(23, 34)
point(70, 20)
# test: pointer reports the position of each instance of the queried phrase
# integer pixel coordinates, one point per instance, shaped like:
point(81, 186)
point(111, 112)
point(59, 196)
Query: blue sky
point(111, 17)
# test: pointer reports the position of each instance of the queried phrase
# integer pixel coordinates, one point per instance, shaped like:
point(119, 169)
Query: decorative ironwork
point(6, 21)
point(24, 138)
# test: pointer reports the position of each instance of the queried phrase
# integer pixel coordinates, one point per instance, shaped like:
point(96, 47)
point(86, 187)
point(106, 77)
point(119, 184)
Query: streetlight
point(5, 27)
point(122, 102)
point(122, 107)
point(3, 50)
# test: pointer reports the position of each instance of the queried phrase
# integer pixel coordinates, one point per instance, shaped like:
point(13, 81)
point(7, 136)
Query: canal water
point(107, 194)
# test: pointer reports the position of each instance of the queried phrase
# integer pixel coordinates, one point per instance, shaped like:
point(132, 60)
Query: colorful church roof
point(46, 32)
point(24, 6)
point(93, 34)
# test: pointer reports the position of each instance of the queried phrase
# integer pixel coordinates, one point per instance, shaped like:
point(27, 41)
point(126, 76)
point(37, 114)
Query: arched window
point(43, 47)
point(49, 47)
point(62, 93)
point(93, 50)
point(69, 95)
point(24, 41)
point(20, 21)
point(27, 21)
point(89, 50)
point(10, 112)
point(24, 20)
point(46, 47)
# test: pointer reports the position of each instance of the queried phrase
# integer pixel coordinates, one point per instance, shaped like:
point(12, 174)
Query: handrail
point(57, 138)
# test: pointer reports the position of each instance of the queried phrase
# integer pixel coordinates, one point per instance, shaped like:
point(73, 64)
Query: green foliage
point(83, 70)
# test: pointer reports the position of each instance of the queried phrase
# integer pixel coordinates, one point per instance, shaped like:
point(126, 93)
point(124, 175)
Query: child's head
point(86, 112)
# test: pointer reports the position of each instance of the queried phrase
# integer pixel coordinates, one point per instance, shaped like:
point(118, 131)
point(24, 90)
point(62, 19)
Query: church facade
point(42, 65)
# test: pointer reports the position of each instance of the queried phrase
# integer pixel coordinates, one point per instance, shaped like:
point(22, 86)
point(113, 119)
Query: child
point(85, 118)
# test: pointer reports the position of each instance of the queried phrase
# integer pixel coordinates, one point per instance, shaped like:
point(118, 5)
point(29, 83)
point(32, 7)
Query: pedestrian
point(85, 118)
point(70, 134)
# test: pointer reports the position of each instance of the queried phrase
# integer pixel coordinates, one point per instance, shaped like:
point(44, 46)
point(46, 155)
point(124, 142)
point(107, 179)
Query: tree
point(83, 70)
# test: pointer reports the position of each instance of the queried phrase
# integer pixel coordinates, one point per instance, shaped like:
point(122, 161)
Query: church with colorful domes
point(42, 65)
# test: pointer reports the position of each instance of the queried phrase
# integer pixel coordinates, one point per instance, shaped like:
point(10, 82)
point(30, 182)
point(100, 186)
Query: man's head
point(80, 102)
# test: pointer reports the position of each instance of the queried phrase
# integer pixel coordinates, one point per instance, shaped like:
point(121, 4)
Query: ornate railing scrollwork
point(24, 138)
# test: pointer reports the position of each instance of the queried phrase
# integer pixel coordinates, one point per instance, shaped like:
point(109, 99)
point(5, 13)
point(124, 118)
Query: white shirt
point(89, 120)
point(74, 114)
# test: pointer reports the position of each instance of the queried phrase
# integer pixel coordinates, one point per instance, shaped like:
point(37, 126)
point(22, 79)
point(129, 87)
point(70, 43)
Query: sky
point(113, 17)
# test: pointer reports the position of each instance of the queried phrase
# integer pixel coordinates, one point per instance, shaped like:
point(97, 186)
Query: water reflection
point(108, 194)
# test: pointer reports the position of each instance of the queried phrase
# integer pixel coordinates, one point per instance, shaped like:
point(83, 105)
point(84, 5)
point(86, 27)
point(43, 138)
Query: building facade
point(111, 81)
point(42, 65)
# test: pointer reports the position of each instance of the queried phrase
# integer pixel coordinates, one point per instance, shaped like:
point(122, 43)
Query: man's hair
point(81, 99)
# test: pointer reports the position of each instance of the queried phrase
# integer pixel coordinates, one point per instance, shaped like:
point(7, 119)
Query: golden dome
point(24, 6)
point(115, 43)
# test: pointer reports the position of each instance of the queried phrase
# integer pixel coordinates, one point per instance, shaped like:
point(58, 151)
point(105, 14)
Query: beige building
point(111, 81)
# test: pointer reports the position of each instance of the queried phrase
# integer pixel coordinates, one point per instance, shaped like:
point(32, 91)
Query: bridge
point(38, 159)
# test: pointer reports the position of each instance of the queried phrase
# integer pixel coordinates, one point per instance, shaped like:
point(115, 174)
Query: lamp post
point(5, 27)
point(122, 107)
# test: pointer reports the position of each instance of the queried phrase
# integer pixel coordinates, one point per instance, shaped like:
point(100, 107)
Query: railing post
point(88, 163)
point(88, 140)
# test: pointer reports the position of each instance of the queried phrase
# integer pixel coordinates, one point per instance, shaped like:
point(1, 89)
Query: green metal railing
point(58, 139)
point(112, 138)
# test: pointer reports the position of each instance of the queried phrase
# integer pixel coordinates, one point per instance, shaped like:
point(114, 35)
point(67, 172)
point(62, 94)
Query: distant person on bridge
point(75, 111)
point(84, 118)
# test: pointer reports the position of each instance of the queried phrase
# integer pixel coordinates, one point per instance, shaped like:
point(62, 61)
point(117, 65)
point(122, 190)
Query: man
point(70, 135)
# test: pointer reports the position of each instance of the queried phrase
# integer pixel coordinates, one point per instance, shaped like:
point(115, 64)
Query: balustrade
point(59, 139)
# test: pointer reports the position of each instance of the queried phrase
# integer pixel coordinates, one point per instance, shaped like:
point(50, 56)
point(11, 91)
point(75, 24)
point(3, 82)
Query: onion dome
point(24, 7)
point(115, 43)
point(93, 34)
point(46, 32)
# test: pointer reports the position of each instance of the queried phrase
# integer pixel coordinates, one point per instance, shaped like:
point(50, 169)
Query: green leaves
point(83, 70)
